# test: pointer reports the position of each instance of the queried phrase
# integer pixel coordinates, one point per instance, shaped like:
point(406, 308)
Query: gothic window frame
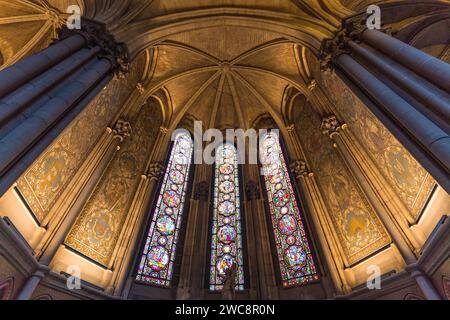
point(239, 288)
point(305, 224)
point(151, 210)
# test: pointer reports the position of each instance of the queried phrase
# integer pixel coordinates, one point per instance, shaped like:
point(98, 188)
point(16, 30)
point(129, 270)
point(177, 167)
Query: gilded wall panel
point(358, 228)
point(97, 228)
point(43, 183)
point(410, 181)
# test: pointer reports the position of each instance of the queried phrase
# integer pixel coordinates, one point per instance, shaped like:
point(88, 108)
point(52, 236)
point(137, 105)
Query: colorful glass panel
point(226, 242)
point(293, 251)
point(156, 265)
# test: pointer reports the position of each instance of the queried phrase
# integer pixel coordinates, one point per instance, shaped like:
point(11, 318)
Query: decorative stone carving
point(201, 191)
point(300, 169)
point(140, 88)
point(122, 129)
point(330, 126)
point(155, 170)
point(96, 34)
point(163, 130)
point(252, 190)
point(290, 128)
point(312, 85)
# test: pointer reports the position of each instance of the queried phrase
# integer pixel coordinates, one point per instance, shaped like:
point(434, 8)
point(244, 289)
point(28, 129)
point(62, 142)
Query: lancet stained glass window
point(293, 251)
point(226, 242)
point(156, 265)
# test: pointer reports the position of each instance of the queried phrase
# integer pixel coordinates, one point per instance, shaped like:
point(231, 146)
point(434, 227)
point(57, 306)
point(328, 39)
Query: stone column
point(45, 92)
point(405, 88)
point(32, 283)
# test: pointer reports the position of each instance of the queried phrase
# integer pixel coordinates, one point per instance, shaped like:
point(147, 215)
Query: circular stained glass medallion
point(165, 225)
point(176, 176)
point(226, 168)
point(280, 198)
point(224, 263)
point(290, 240)
point(295, 257)
point(226, 208)
point(226, 234)
point(287, 224)
point(226, 187)
point(158, 258)
point(171, 199)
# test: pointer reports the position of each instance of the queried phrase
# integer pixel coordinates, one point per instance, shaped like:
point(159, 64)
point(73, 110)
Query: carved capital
point(122, 129)
point(201, 191)
point(252, 190)
point(330, 126)
point(155, 170)
point(290, 128)
point(140, 88)
point(163, 130)
point(96, 34)
point(312, 85)
point(300, 169)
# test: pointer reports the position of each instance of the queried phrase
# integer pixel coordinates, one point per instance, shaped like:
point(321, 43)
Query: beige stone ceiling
point(226, 77)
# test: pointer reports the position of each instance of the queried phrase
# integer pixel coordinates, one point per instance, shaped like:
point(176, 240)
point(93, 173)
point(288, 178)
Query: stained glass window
point(226, 242)
point(293, 251)
point(156, 265)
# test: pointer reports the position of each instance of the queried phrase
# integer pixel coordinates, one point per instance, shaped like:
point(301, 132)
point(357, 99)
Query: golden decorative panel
point(43, 183)
point(358, 228)
point(97, 228)
point(409, 180)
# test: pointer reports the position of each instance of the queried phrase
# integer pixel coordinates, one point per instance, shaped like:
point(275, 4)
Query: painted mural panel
point(97, 228)
point(410, 181)
point(358, 228)
point(43, 183)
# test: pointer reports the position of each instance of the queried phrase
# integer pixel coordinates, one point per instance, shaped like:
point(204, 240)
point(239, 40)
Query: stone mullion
point(185, 281)
point(320, 217)
point(201, 256)
point(265, 263)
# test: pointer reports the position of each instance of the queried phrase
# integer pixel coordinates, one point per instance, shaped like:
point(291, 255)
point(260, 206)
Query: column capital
point(312, 85)
point(155, 170)
point(140, 88)
point(252, 190)
point(290, 128)
point(122, 129)
point(96, 34)
point(331, 126)
point(300, 169)
point(201, 191)
point(164, 130)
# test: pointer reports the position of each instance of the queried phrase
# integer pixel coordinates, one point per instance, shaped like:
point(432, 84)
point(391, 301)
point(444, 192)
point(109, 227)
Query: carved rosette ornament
point(155, 170)
point(201, 191)
point(252, 191)
point(300, 169)
point(330, 126)
point(122, 129)
point(96, 34)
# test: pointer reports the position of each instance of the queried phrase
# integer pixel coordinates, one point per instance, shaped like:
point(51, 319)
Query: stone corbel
point(300, 169)
point(252, 191)
point(155, 170)
point(331, 126)
point(122, 129)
